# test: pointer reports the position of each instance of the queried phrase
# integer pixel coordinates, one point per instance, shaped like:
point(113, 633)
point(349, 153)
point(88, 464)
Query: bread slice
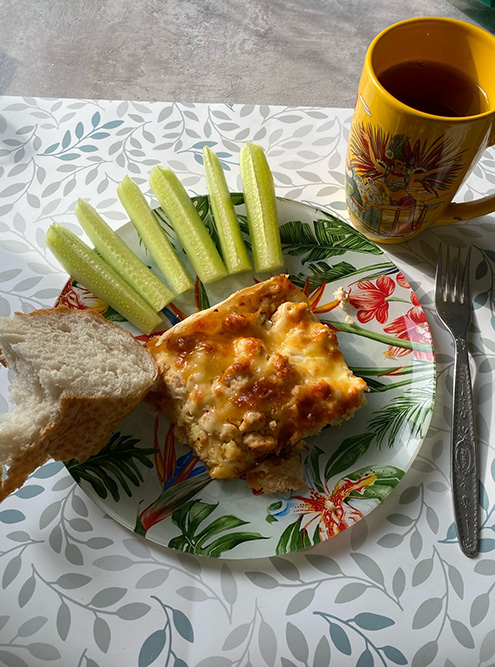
point(77, 376)
point(246, 380)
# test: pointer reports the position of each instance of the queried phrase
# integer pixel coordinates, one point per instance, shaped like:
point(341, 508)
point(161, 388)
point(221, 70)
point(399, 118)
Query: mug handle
point(470, 209)
point(467, 210)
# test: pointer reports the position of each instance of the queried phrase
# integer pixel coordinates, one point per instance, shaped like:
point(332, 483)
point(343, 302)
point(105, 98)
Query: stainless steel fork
point(454, 306)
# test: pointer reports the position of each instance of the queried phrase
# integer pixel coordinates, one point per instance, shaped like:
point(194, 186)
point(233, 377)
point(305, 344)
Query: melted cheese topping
point(252, 376)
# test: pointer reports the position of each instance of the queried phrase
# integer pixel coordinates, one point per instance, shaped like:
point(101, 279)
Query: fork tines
point(453, 287)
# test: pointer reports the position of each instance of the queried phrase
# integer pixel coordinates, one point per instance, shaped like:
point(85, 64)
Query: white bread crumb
point(342, 295)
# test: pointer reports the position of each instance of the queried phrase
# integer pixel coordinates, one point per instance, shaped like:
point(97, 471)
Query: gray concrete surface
point(290, 52)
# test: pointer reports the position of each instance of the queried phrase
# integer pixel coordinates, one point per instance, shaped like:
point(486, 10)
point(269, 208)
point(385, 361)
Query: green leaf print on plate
point(163, 492)
point(328, 238)
point(111, 470)
point(189, 518)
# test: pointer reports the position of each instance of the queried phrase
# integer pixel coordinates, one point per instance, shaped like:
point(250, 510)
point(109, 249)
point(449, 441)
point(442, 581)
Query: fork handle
point(465, 486)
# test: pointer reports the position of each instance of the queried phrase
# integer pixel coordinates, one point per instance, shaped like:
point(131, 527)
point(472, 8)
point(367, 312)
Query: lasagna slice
point(246, 380)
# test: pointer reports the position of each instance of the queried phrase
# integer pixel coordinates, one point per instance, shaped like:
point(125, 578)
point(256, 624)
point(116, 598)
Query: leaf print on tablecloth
point(322, 653)
point(396, 656)
point(370, 568)
point(73, 554)
point(113, 563)
point(350, 592)
point(462, 633)
point(425, 655)
point(31, 626)
point(153, 579)
point(487, 648)
point(27, 590)
point(300, 601)
point(79, 142)
point(372, 621)
point(236, 637)
point(214, 661)
point(133, 611)
point(427, 612)
point(339, 638)
point(324, 564)
point(11, 571)
point(267, 642)
point(43, 651)
point(72, 580)
point(479, 609)
point(192, 593)
point(262, 580)
point(297, 643)
point(422, 571)
point(63, 621)
point(101, 633)
point(348, 637)
point(11, 659)
point(161, 640)
point(286, 568)
point(228, 584)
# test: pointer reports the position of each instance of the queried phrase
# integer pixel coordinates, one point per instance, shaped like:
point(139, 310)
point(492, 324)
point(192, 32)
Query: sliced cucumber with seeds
point(153, 236)
point(120, 257)
point(89, 269)
point(188, 226)
point(234, 250)
point(261, 208)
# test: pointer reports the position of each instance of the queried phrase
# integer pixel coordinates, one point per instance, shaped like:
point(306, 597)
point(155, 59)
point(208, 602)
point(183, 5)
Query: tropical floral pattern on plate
point(385, 338)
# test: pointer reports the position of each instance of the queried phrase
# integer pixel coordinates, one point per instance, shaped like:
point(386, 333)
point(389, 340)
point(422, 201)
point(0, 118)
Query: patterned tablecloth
point(80, 590)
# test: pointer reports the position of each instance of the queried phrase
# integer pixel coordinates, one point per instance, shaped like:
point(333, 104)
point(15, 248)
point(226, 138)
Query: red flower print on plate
point(78, 297)
point(411, 326)
point(332, 513)
point(371, 300)
point(402, 281)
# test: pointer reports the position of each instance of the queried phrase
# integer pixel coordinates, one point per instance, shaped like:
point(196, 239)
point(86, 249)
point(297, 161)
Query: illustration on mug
point(392, 183)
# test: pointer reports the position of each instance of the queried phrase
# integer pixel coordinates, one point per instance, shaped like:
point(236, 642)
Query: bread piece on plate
point(246, 380)
point(77, 376)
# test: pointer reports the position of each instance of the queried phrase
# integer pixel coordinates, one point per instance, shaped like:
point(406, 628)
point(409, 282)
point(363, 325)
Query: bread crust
point(83, 424)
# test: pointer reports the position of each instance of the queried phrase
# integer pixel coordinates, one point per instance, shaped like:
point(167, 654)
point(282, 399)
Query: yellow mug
point(425, 111)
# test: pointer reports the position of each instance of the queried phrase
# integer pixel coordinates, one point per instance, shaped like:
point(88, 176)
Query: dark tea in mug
point(434, 88)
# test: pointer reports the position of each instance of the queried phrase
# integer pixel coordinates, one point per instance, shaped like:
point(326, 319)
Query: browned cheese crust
point(245, 381)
